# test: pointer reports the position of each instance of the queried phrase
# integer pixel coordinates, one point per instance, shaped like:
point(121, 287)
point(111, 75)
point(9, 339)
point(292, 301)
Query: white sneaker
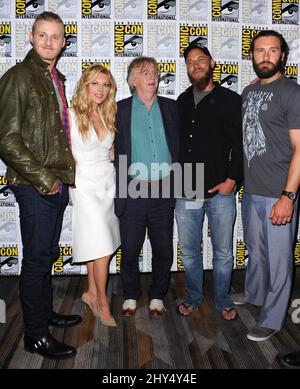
point(259, 334)
point(129, 307)
point(156, 307)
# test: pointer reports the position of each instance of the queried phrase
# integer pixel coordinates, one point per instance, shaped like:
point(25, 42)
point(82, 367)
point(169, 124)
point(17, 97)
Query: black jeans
point(41, 221)
point(157, 216)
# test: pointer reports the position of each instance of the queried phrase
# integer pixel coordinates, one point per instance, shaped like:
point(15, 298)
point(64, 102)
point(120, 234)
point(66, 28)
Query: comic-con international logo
point(9, 262)
point(70, 67)
point(96, 38)
point(290, 33)
point(86, 63)
point(240, 194)
point(225, 11)
point(167, 78)
point(22, 42)
point(226, 74)
point(255, 11)
point(99, 9)
point(192, 33)
point(118, 260)
point(241, 255)
point(5, 64)
point(297, 252)
point(180, 264)
point(161, 39)
point(225, 41)
point(66, 9)
point(193, 10)
point(158, 9)
point(5, 8)
point(70, 49)
point(8, 227)
point(128, 40)
point(285, 11)
point(291, 71)
point(5, 40)
point(63, 263)
point(247, 35)
point(7, 197)
point(29, 8)
point(129, 9)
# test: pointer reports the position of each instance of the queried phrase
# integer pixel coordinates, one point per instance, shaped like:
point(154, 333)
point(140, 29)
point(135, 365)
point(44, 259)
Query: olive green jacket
point(33, 141)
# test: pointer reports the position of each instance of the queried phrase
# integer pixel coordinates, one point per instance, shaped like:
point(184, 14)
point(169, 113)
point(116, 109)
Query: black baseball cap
point(196, 45)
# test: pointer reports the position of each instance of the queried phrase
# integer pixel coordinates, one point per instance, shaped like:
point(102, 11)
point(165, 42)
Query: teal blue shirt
point(148, 142)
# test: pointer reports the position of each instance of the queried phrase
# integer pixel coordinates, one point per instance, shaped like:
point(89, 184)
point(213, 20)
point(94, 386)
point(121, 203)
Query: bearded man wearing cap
point(210, 134)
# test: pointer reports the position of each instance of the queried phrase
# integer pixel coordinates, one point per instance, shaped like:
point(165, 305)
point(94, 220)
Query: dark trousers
point(157, 216)
point(41, 221)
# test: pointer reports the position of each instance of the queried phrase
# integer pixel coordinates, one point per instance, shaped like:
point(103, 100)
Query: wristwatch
point(290, 195)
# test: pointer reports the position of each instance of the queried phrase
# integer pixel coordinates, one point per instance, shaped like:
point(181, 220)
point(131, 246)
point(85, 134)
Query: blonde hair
point(83, 106)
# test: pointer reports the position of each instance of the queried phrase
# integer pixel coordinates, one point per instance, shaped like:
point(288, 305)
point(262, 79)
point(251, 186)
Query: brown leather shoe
point(128, 312)
point(157, 312)
point(129, 307)
point(156, 307)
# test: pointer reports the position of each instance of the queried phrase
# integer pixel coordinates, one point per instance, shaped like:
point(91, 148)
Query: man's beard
point(201, 83)
point(267, 72)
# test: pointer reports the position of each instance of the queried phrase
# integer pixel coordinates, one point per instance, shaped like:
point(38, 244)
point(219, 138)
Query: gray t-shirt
point(199, 95)
point(269, 112)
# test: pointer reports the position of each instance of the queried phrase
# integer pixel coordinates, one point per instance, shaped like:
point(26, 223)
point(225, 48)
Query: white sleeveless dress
point(95, 227)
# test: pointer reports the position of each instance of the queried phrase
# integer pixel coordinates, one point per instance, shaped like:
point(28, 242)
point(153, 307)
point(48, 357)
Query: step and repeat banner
point(113, 32)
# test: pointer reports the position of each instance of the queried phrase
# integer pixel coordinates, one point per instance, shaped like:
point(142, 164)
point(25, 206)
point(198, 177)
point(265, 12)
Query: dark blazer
point(169, 115)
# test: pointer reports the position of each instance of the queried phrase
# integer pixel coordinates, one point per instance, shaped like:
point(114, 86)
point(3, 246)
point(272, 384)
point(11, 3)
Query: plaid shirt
point(65, 115)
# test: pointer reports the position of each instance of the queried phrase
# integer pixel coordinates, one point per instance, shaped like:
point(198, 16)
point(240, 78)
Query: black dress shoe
point(292, 359)
point(48, 347)
point(58, 320)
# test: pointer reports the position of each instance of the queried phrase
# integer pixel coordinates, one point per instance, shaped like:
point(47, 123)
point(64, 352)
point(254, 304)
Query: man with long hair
point(271, 141)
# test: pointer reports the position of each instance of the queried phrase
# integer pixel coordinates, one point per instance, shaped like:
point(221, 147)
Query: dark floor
point(202, 341)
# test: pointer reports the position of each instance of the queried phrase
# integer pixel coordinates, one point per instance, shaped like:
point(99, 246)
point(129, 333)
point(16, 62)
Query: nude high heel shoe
point(111, 322)
point(94, 308)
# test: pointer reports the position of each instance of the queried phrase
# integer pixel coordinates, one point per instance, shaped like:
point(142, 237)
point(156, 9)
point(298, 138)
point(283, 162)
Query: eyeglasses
point(96, 84)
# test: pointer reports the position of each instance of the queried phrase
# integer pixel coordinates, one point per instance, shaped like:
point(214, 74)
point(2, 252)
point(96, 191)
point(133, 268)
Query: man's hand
point(54, 188)
point(282, 211)
point(224, 188)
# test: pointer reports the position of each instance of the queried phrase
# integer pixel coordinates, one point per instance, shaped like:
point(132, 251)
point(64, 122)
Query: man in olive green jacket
point(34, 134)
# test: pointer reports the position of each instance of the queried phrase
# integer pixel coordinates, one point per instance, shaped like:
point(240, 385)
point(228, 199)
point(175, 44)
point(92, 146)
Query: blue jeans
point(41, 221)
point(220, 211)
point(270, 265)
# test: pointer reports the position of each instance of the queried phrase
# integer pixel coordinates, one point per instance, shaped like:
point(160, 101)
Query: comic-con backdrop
point(112, 32)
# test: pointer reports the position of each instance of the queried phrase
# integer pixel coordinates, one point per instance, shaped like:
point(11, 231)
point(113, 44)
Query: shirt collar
point(138, 101)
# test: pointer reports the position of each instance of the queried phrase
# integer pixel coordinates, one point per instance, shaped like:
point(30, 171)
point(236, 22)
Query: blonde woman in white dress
point(95, 227)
